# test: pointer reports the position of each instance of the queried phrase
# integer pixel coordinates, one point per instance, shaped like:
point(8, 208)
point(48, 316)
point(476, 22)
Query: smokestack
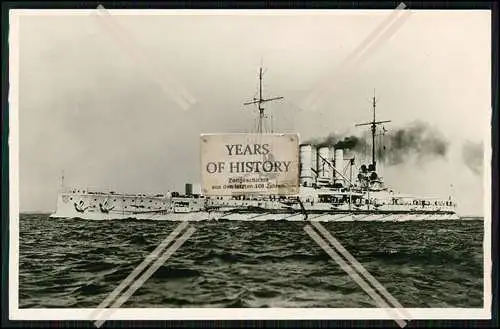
point(189, 189)
point(197, 189)
point(314, 163)
point(306, 163)
point(324, 166)
point(339, 166)
point(332, 159)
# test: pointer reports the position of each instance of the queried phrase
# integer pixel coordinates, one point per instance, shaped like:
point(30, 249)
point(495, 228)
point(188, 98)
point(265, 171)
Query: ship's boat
point(332, 188)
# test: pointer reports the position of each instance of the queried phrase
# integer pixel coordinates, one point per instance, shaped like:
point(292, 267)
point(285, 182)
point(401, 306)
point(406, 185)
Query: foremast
point(260, 101)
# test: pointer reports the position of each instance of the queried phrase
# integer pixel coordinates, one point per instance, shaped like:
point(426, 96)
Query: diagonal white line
point(341, 76)
point(376, 32)
point(128, 41)
point(336, 244)
point(174, 89)
point(347, 72)
point(363, 45)
point(180, 95)
point(355, 276)
point(386, 35)
point(138, 270)
point(372, 41)
point(143, 278)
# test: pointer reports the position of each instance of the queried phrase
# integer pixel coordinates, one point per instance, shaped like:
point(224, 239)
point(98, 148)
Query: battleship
point(331, 188)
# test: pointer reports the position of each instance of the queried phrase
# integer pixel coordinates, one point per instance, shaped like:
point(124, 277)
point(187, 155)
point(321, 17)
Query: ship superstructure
point(332, 188)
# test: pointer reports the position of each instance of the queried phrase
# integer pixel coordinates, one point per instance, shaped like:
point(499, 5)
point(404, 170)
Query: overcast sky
point(97, 98)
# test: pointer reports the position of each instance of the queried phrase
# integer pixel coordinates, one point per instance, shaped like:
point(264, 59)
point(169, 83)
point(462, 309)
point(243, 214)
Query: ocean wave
point(77, 263)
point(169, 272)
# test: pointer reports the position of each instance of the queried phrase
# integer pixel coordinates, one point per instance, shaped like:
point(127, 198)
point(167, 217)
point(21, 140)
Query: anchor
point(80, 206)
point(104, 207)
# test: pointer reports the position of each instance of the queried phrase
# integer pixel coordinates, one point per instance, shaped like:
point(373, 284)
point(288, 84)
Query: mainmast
point(374, 123)
point(261, 101)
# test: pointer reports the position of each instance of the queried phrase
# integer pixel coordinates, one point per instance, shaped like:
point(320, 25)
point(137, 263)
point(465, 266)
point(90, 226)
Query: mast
point(374, 123)
point(261, 101)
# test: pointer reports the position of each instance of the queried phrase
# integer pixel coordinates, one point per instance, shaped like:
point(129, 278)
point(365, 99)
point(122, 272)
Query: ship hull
point(269, 216)
point(106, 206)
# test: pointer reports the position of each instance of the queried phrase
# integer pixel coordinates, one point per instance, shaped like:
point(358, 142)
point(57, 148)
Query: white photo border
point(15, 313)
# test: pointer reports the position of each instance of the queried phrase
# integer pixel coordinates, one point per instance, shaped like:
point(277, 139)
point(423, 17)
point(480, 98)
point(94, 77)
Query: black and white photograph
point(250, 164)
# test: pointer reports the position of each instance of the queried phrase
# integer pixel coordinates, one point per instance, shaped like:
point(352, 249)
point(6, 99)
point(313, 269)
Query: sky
point(118, 101)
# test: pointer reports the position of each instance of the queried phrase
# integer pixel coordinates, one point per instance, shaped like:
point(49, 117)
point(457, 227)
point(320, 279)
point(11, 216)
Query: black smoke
point(395, 146)
point(329, 140)
point(350, 142)
point(337, 141)
point(472, 156)
point(417, 139)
